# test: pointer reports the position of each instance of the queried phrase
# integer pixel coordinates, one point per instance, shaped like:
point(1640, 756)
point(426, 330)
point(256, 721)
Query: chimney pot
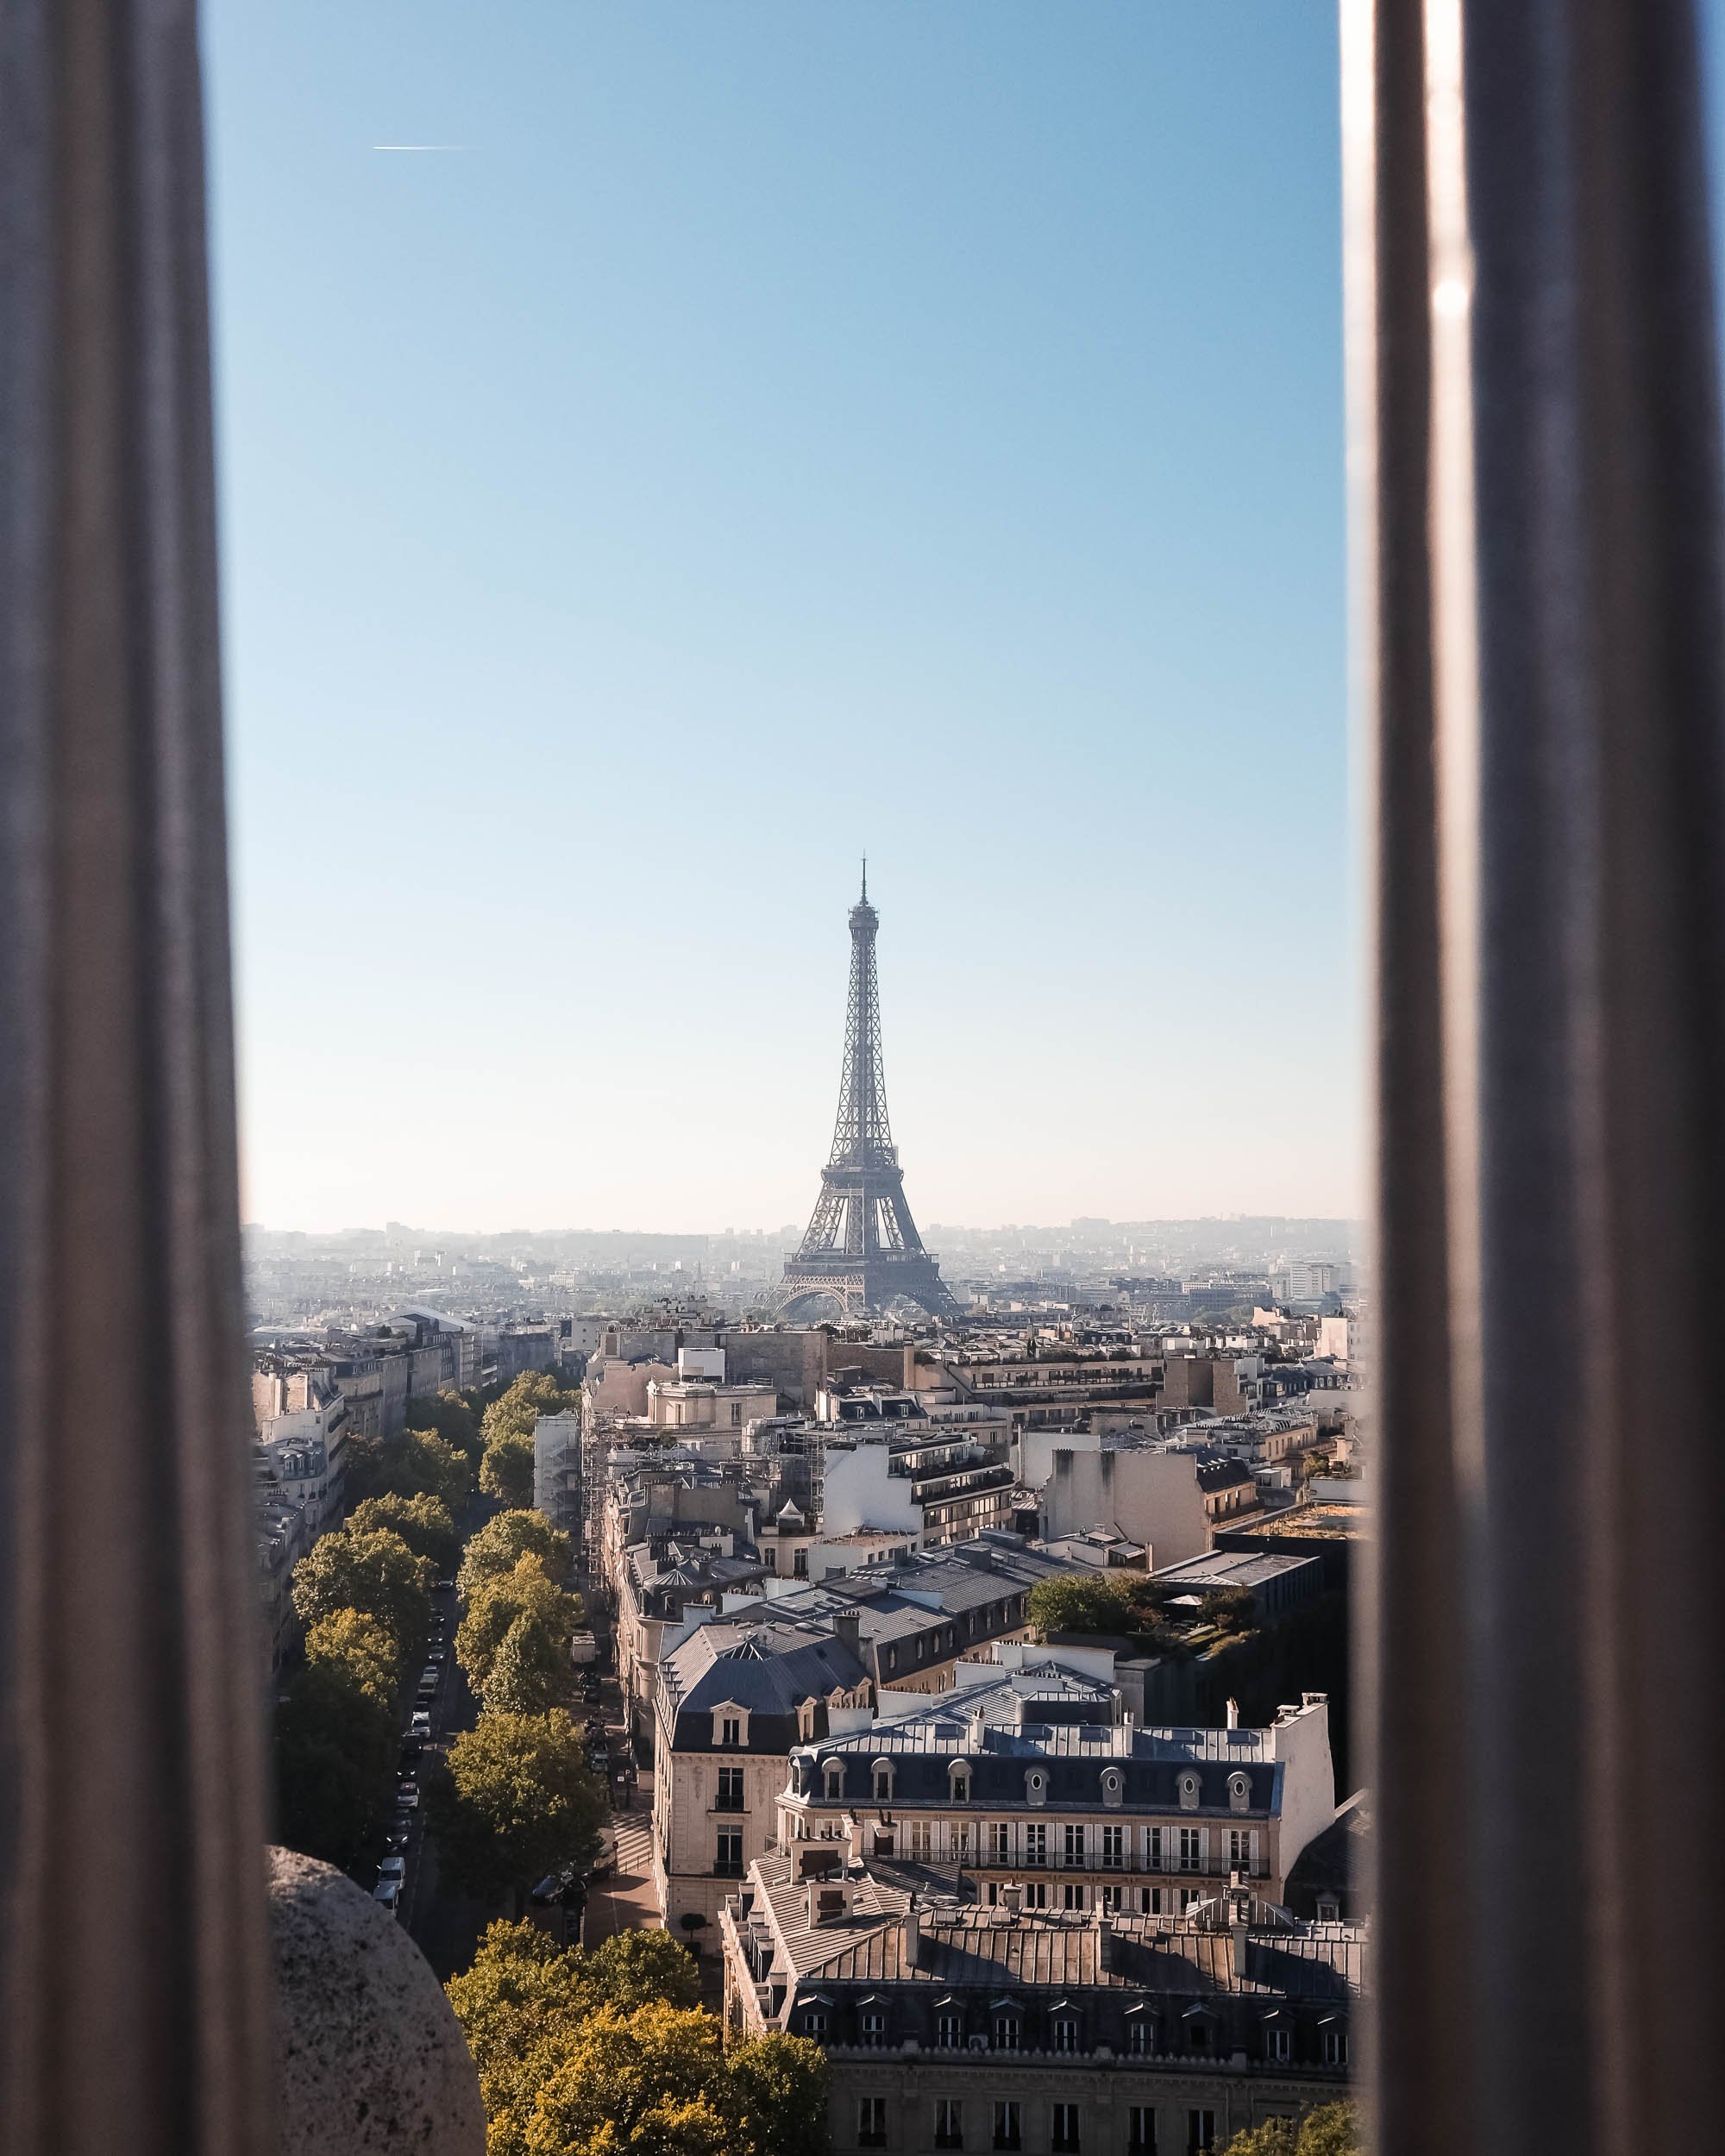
point(1233, 1713)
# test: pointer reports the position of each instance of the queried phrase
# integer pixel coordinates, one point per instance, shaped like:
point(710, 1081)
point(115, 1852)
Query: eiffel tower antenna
point(862, 1249)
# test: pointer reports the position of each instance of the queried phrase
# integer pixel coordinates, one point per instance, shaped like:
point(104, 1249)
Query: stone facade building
point(951, 2025)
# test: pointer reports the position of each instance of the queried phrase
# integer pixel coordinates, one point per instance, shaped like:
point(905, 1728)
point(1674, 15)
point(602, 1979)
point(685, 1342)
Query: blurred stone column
point(133, 1991)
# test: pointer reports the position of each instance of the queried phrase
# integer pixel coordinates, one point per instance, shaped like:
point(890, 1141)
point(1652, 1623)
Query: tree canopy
point(334, 1734)
point(506, 1538)
point(375, 1573)
point(1332, 2130)
point(362, 1650)
point(414, 1462)
point(449, 1416)
point(530, 1671)
point(496, 1604)
point(516, 1800)
point(582, 2053)
point(506, 1469)
point(1091, 1602)
point(423, 1524)
point(514, 1412)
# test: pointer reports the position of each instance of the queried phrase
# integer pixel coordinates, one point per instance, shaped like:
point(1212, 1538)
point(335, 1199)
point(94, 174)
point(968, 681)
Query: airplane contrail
point(419, 146)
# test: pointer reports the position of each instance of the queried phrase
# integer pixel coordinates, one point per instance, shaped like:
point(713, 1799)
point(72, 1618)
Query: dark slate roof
point(771, 1669)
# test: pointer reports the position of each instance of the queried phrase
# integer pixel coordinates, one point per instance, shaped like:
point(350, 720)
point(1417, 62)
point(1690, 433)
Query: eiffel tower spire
point(861, 1249)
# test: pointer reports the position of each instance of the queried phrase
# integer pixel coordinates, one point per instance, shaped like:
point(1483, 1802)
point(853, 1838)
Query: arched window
point(834, 1773)
point(1188, 1791)
point(1239, 1792)
point(958, 1781)
point(882, 1776)
point(1113, 1785)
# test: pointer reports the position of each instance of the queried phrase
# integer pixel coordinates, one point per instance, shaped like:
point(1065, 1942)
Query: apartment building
point(1034, 1778)
point(949, 2024)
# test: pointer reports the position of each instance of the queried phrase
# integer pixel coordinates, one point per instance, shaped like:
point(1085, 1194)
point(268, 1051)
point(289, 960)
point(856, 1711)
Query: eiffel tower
point(862, 1249)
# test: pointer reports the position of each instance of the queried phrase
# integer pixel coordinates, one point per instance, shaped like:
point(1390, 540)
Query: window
point(731, 1730)
point(1036, 1844)
point(1198, 2036)
point(959, 1839)
point(999, 1841)
point(1188, 1896)
point(1239, 1792)
point(1335, 2047)
point(730, 1790)
point(1072, 1896)
point(873, 2028)
point(1065, 2135)
point(1191, 1848)
point(871, 2121)
point(1113, 1847)
point(949, 2032)
point(1036, 1785)
point(1189, 1792)
point(835, 1781)
point(1006, 2032)
point(960, 1778)
point(1036, 1893)
point(949, 2122)
point(727, 1864)
point(883, 1782)
point(1241, 1840)
point(1008, 2126)
point(1141, 2129)
point(799, 1565)
point(1139, 2034)
point(1152, 1846)
point(1200, 2131)
point(1065, 2033)
point(1075, 1844)
point(1276, 2045)
point(922, 1839)
point(1112, 1898)
point(737, 1411)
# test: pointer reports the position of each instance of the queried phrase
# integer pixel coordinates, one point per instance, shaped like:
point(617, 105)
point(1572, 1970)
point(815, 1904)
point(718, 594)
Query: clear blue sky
point(777, 429)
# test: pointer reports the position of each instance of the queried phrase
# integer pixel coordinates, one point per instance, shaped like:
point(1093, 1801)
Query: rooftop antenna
point(865, 878)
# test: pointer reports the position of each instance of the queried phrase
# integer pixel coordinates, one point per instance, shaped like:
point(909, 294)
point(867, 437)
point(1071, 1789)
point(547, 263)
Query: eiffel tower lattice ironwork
point(862, 1249)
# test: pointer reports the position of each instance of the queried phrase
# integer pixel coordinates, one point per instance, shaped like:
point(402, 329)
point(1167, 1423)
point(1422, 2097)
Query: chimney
point(1233, 1713)
point(1104, 1940)
point(847, 1629)
point(1012, 1898)
point(1239, 1922)
point(912, 1937)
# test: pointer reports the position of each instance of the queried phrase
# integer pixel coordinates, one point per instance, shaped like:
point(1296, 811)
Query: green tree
point(1229, 1608)
point(636, 1968)
point(1332, 2130)
point(516, 1800)
point(361, 1649)
point(506, 1538)
point(496, 1604)
point(522, 1997)
point(535, 1392)
point(782, 2082)
point(414, 1462)
point(652, 2083)
point(530, 1672)
point(506, 1469)
point(335, 1737)
point(423, 1524)
point(375, 1573)
point(449, 1416)
point(1094, 1602)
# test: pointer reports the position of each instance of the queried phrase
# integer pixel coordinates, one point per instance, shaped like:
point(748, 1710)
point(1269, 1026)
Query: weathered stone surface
point(370, 2055)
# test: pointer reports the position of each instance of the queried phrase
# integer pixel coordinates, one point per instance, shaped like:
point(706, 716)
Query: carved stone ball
point(370, 2057)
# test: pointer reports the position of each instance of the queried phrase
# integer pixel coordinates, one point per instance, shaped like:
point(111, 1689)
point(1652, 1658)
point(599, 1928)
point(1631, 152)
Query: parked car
point(407, 1796)
point(393, 1868)
point(420, 1725)
point(388, 1891)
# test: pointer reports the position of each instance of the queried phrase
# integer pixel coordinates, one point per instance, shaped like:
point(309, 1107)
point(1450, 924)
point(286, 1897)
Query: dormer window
point(1239, 1792)
point(729, 1726)
point(958, 1780)
point(1036, 1786)
point(1065, 2033)
point(834, 1773)
point(881, 1774)
point(1189, 1792)
point(1113, 1785)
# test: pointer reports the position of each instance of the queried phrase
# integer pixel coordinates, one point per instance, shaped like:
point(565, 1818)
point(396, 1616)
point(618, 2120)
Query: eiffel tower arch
point(861, 1250)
